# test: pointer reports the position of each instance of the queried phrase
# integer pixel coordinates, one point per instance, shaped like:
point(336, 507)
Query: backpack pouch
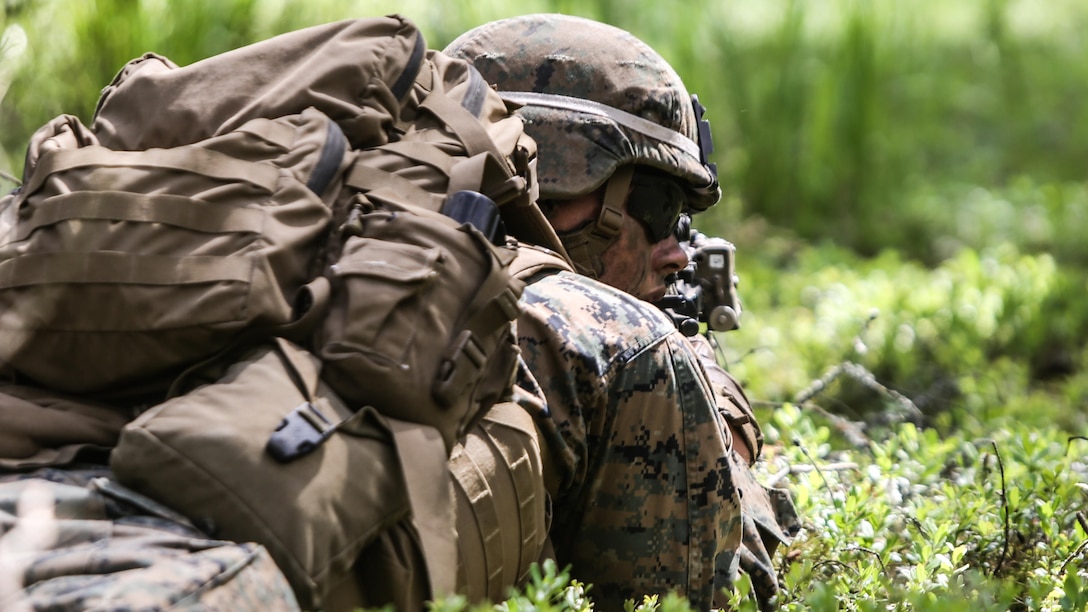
point(420, 320)
point(206, 455)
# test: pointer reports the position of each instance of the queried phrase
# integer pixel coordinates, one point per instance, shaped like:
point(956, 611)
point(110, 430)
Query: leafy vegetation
point(904, 183)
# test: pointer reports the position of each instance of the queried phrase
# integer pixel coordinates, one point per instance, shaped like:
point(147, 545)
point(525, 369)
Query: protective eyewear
point(657, 201)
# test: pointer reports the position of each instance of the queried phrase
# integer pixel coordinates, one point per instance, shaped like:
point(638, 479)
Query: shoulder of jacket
point(591, 318)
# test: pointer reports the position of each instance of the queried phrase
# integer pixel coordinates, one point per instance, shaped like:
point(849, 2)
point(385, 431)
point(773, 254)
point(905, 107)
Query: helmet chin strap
point(586, 245)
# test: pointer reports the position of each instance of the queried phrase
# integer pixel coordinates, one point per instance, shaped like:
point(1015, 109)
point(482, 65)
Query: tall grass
point(831, 117)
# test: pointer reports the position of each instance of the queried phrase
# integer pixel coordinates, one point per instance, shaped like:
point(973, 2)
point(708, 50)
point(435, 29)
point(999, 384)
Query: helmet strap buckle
point(588, 244)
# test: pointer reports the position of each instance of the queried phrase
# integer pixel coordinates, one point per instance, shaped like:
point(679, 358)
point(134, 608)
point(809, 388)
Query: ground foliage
point(905, 185)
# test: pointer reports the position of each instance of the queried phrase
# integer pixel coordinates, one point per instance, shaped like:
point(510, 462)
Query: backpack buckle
point(299, 433)
point(460, 369)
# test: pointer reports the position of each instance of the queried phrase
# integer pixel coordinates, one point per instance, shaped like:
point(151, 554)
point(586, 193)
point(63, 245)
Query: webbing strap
point(473, 483)
point(278, 133)
point(411, 71)
point(328, 162)
point(422, 454)
point(532, 260)
point(472, 174)
point(469, 129)
point(421, 153)
point(184, 159)
point(509, 414)
point(367, 179)
point(586, 245)
point(285, 135)
point(176, 210)
point(494, 305)
point(122, 268)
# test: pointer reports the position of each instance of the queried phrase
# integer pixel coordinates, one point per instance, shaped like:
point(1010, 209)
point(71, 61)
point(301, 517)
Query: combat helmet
point(598, 101)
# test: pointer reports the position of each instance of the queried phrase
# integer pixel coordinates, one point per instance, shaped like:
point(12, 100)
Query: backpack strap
point(495, 304)
point(468, 127)
point(368, 179)
point(422, 454)
point(198, 161)
point(532, 262)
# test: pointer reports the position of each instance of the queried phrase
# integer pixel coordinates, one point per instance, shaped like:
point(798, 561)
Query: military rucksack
point(216, 203)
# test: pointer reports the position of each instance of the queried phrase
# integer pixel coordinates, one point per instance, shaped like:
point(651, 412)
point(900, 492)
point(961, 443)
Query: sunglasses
point(658, 202)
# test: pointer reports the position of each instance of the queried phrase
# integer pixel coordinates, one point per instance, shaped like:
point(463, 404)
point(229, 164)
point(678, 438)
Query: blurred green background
point(922, 161)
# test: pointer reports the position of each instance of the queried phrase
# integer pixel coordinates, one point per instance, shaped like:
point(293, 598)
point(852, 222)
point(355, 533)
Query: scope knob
point(723, 318)
point(689, 327)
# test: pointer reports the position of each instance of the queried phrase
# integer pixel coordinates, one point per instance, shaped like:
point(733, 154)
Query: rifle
point(706, 290)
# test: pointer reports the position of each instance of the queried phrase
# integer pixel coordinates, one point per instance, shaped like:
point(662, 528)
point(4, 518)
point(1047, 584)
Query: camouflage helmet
point(598, 94)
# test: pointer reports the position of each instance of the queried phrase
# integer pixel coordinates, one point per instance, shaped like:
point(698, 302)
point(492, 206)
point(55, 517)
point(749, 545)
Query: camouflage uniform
point(117, 550)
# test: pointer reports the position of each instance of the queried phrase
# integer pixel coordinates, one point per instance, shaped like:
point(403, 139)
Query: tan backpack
point(214, 204)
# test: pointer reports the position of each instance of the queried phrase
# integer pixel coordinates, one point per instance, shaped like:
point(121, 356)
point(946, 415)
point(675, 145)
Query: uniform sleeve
point(732, 403)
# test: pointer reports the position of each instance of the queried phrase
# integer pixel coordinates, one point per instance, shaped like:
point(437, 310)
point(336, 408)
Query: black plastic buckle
point(299, 433)
point(479, 211)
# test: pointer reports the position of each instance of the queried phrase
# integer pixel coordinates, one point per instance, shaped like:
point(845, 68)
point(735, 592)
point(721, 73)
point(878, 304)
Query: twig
point(827, 485)
point(1082, 521)
point(853, 431)
point(917, 525)
point(750, 352)
point(1005, 503)
point(859, 373)
point(1070, 558)
point(10, 177)
point(1069, 442)
point(833, 562)
point(804, 468)
point(883, 569)
point(817, 386)
point(867, 378)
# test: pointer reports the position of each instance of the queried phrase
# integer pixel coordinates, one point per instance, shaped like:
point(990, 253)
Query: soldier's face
point(634, 263)
point(638, 266)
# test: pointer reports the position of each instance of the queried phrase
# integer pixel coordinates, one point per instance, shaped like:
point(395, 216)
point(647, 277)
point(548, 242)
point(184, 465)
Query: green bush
point(988, 337)
point(915, 521)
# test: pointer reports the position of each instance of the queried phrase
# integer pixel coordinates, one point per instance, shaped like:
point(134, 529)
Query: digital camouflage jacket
point(644, 494)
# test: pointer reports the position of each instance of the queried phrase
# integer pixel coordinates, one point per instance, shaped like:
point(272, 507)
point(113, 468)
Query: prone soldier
point(651, 492)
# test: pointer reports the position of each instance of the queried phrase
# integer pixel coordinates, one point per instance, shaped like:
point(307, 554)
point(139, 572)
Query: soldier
point(651, 490)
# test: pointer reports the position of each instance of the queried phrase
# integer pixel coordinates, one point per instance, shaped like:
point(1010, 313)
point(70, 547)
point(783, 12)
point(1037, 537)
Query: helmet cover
point(594, 98)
